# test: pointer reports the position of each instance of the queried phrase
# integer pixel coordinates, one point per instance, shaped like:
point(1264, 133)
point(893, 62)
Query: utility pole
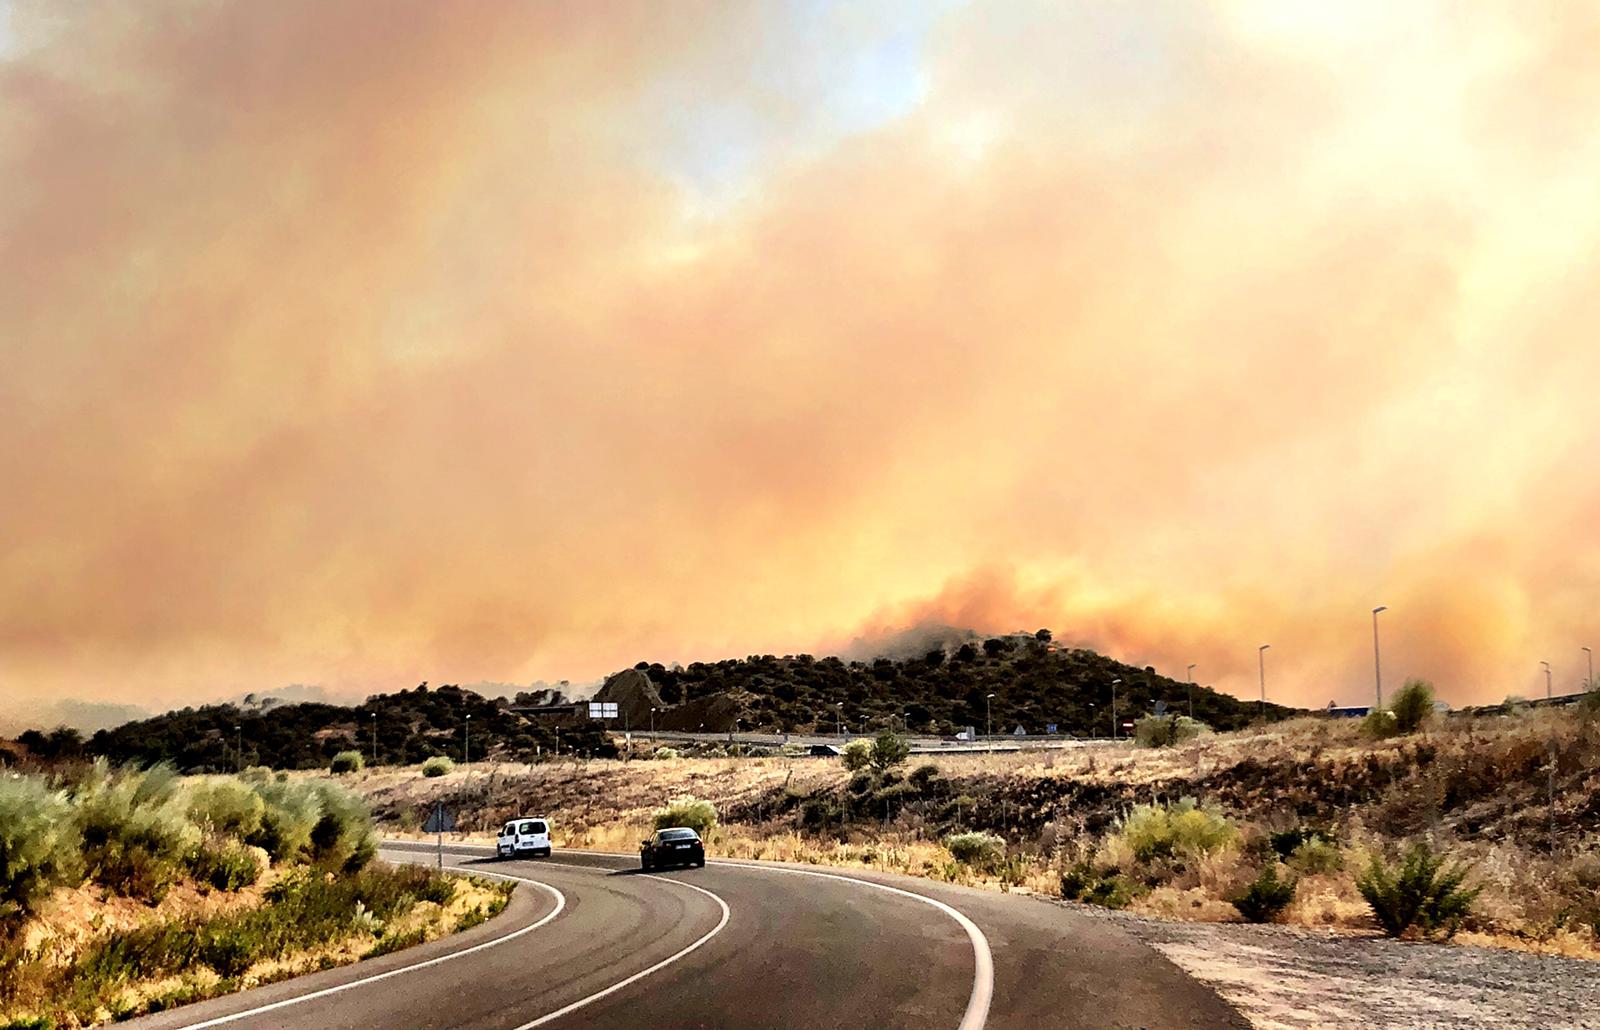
point(1116, 731)
point(1261, 656)
point(988, 715)
point(1191, 688)
point(1377, 663)
point(1551, 785)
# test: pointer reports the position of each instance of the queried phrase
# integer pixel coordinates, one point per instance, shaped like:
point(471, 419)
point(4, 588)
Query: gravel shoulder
point(1287, 978)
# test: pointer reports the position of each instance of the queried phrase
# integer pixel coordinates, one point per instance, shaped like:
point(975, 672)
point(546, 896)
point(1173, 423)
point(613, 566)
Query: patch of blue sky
point(826, 70)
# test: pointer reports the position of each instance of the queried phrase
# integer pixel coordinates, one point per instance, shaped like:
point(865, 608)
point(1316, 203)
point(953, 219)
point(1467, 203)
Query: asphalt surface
point(589, 941)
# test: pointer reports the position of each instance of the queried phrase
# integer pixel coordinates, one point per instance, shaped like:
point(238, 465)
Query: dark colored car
point(678, 845)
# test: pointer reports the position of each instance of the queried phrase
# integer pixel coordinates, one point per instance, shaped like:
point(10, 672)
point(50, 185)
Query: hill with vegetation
point(401, 728)
point(1036, 684)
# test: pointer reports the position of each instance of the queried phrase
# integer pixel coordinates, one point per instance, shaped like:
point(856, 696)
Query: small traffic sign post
point(439, 822)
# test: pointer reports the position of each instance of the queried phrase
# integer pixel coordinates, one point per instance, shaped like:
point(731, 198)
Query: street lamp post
point(838, 713)
point(1377, 662)
point(238, 755)
point(1261, 657)
point(1116, 731)
point(466, 741)
point(988, 715)
point(1191, 688)
point(652, 722)
point(1547, 691)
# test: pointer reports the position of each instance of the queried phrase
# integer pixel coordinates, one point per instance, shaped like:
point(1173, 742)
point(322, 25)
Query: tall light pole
point(988, 715)
point(238, 756)
point(1115, 729)
point(466, 741)
point(1589, 683)
point(1261, 657)
point(1547, 691)
point(374, 738)
point(652, 722)
point(1377, 663)
point(838, 713)
point(1192, 666)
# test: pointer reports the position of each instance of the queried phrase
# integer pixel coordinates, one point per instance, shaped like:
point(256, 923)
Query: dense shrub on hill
point(411, 726)
point(1036, 683)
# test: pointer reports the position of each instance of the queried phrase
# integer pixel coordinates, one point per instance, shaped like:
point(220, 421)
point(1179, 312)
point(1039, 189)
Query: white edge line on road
point(561, 903)
point(669, 960)
point(977, 1012)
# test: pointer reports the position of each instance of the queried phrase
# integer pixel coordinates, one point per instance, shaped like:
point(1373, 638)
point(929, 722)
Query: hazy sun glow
point(510, 342)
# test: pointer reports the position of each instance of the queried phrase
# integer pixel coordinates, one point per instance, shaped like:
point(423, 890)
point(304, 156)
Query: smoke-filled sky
point(354, 345)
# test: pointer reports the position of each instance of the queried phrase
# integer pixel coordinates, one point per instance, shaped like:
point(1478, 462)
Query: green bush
point(1266, 896)
point(38, 845)
point(1412, 705)
point(1287, 842)
point(29, 1023)
point(290, 812)
point(1156, 831)
point(136, 830)
point(1380, 725)
point(666, 754)
point(698, 815)
point(343, 837)
point(438, 765)
point(981, 851)
point(347, 762)
point(1424, 893)
point(923, 776)
point(226, 865)
point(1167, 730)
point(1316, 858)
point(1082, 882)
point(857, 754)
point(226, 805)
point(889, 750)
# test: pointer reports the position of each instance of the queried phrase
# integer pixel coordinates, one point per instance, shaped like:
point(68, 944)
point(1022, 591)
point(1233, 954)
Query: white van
point(528, 835)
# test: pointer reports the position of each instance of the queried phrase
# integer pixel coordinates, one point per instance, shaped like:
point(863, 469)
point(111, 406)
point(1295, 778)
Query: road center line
point(977, 1012)
point(978, 1002)
point(669, 960)
point(561, 903)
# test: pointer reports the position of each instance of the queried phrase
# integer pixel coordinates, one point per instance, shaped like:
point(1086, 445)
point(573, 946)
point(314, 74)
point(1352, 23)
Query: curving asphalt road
point(589, 941)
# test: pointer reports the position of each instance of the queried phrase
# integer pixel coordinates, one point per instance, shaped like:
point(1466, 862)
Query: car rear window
point(677, 835)
point(526, 828)
point(538, 827)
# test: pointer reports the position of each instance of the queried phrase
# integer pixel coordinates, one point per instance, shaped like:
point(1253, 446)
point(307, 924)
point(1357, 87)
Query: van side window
point(508, 830)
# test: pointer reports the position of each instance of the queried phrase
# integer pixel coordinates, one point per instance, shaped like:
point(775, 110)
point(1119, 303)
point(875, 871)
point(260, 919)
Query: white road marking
point(635, 978)
point(977, 1013)
point(561, 903)
point(974, 1018)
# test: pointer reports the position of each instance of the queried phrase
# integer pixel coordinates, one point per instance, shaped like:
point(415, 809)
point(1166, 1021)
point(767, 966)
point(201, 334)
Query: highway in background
point(589, 941)
point(919, 745)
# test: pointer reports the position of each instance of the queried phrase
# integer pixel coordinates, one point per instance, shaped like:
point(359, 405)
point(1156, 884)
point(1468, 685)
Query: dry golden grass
point(1475, 786)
